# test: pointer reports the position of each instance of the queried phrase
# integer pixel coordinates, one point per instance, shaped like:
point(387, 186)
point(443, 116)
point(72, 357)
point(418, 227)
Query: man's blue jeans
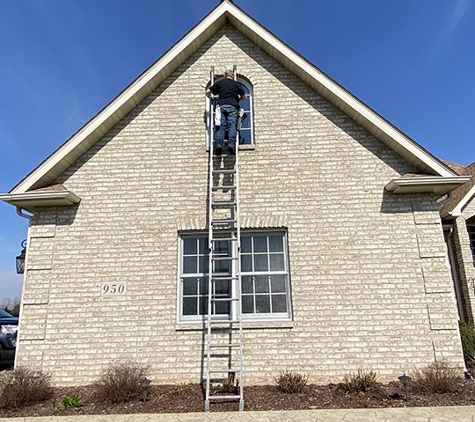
point(229, 116)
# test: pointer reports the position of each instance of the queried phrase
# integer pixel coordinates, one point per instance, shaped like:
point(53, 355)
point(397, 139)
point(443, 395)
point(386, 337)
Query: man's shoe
point(218, 151)
point(231, 151)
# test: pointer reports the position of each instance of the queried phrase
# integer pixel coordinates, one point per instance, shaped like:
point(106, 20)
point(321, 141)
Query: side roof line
point(148, 81)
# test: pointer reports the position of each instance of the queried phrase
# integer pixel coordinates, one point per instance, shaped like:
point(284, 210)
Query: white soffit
point(425, 184)
point(90, 133)
point(32, 200)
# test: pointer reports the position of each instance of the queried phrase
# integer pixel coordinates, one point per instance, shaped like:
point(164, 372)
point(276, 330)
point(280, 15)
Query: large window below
point(265, 285)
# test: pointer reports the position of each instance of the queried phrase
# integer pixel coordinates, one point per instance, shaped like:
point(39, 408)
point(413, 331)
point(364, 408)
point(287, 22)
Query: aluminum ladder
point(223, 320)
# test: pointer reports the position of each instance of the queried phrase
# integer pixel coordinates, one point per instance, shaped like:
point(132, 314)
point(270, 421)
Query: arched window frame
point(470, 223)
point(247, 130)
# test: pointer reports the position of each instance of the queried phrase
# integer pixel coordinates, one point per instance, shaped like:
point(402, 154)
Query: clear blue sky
point(413, 61)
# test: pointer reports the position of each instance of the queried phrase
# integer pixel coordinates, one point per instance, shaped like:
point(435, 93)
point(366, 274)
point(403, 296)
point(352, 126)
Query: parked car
point(8, 338)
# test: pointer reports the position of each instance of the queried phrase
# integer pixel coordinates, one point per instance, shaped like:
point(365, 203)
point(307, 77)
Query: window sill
point(246, 325)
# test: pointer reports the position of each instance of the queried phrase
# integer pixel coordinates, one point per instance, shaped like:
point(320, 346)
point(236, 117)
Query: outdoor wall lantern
point(20, 259)
point(406, 381)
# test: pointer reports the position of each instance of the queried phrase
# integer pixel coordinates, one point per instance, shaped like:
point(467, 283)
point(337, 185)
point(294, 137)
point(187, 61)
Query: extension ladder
point(223, 323)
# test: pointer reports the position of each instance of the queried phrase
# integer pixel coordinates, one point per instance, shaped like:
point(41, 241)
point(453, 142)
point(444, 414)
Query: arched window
point(471, 234)
point(247, 127)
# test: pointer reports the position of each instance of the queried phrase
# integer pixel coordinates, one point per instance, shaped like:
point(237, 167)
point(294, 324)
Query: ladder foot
point(241, 405)
point(207, 406)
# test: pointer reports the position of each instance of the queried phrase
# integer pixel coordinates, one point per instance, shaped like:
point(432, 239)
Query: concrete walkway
point(410, 414)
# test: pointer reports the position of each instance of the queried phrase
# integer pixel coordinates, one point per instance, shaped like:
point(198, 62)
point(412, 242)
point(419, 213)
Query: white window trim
point(249, 318)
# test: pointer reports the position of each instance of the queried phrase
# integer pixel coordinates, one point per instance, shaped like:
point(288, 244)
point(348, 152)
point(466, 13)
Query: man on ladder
point(230, 93)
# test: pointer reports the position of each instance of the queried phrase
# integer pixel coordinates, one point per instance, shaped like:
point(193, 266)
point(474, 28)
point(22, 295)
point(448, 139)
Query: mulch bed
point(189, 398)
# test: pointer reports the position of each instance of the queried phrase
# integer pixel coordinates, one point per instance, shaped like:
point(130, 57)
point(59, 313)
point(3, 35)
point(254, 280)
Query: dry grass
point(121, 382)
point(439, 377)
point(360, 381)
point(291, 382)
point(24, 386)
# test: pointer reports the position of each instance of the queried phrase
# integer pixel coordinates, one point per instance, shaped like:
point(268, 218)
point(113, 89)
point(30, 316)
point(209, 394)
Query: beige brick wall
point(369, 288)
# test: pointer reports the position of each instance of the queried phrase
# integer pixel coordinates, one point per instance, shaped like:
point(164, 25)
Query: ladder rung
point(223, 187)
point(223, 321)
point(223, 258)
point(223, 371)
point(224, 239)
point(224, 171)
point(237, 397)
point(225, 346)
point(217, 277)
point(223, 204)
point(224, 221)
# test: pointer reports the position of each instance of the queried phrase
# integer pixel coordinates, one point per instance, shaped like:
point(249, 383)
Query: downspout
point(19, 211)
point(455, 277)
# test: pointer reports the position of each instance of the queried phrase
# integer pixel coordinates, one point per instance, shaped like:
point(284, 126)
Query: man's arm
point(243, 97)
point(208, 93)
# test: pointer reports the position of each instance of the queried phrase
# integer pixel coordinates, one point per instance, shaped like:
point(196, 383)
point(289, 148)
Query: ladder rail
point(228, 227)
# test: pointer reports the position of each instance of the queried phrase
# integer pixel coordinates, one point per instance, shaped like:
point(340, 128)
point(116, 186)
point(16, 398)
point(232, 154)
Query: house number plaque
point(114, 289)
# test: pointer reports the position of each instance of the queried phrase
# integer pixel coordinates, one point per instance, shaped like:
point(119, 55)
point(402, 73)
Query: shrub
point(229, 386)
point(291, 382)
point(360, 381)
point(121, 382)
point(439, 377)
point(24, 386)
point(467, 333)
point(178, 389)
point(71, 402)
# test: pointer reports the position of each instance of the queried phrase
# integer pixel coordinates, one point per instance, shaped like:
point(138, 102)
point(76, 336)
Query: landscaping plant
point(24, 386)
point(360, 381)
point(291, 382)
point(71, 402)
point(121, 382)
point(439, 377)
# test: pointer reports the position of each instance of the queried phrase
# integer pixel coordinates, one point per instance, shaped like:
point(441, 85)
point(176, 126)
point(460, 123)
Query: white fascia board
point(457, 211)
point(111, 110)
point(30, 200)
point(351, 101)
point(435, 184)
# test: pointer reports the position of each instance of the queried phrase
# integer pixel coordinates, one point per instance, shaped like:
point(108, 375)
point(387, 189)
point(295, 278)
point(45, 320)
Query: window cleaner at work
point(230, 93)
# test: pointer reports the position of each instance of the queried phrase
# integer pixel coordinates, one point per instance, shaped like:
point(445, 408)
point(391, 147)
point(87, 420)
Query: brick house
point(458, 219)
point(120, 214)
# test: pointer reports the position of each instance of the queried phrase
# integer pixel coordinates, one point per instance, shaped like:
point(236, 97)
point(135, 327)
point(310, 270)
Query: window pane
point(263, 304)
point(247, 304)
point(190, 286)
point(245, 244)
point(260, 243)
point(204, 305)
point(276, 243)
point(221, 308)
point(203, 241)
point(278, 283)
point(277, 262)
point(221, 247)
point(204, 263)
point(222, 266)
point(279, 303)
point(260, 263)
point(203, 286)
point(245, 137)
point(262, 284)
point(246, 284)
point(189, 265)
point(246, 263)
point(189, 246)
point(222, 287)
point(190, 306)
